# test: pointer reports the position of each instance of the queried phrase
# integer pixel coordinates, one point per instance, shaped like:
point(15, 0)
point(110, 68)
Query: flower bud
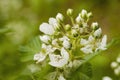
point(95, 26)
point(83, 13)
point(78, 19)
point(89, 15)
point(67, 27)
point(59, 17)
point(69, 12)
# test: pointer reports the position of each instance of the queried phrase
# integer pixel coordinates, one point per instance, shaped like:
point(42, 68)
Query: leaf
point(45, 70)
point(30, 49)
point(84, 72)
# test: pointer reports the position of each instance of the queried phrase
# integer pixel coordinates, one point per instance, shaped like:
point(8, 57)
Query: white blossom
point(39, 57)
point(47, 28)
point(45, 38)
point(59, 60)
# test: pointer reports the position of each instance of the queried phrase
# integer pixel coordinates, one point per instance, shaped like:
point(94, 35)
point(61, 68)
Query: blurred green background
point(20, 20)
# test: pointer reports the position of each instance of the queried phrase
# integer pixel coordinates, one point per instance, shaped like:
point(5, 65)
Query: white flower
point(47, 28)
point(45, 38)
point(59, 60)
point(59, 17)
point(39, 57)
point(87, 49)
point(106, 78)
point(98, 32)
point(103, 43)
point(61, 77)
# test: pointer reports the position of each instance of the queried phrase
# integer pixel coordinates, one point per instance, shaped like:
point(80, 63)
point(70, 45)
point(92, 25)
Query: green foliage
point(30, 49)
point(84, 72)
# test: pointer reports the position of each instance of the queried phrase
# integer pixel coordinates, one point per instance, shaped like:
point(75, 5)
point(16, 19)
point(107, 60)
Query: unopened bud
point(95, 26)
point(69, 12)
point(59, 17)
point(78, 19)
point(89, 14)
point(83, 13)
point(67, 27)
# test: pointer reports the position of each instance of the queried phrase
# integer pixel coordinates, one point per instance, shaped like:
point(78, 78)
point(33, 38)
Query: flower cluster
point(116, 66)
point(61, 41)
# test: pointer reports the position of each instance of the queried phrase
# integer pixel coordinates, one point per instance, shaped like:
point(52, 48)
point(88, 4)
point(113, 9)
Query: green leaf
point(30, 49)
point(84, 72)
point(45, 70)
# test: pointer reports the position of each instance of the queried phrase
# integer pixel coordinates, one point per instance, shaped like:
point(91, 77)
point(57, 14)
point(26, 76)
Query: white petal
point(91, 39)
point(66, 44)
point(103, 43)
point(65, 54)
point(57, 60)
point(83, 42)
point(52, 21)
point(98, 32)
point(87, 49)
point(78, 19)
point(61, 77)
point(47, 28)
point(39, 57)
point(45, 38)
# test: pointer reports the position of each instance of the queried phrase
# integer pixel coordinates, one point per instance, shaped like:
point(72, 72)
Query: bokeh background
point(20, 20)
